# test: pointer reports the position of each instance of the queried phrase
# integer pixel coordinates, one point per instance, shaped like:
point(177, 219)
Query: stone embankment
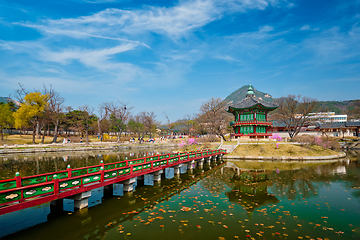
point(285, 158)
point(97, 146)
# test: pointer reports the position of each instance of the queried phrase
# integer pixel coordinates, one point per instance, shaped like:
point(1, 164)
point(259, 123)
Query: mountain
point(350, 107)
point(240, 94)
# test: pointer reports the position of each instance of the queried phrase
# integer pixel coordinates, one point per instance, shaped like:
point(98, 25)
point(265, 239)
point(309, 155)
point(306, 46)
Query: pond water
point(216, 202)
point(34, 164)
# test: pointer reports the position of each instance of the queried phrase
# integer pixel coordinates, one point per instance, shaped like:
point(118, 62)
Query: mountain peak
point(240, 94)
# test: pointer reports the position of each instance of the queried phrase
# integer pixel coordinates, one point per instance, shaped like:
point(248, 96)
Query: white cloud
point(175, 22)
point(305, 27)
point(266, 28)
point(93, 58)
point(226, 58)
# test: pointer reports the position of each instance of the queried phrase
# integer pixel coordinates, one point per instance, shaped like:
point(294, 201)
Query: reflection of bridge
point(20, 193)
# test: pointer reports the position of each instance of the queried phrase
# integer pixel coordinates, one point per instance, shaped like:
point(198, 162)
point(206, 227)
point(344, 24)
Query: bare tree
point(213, 118)
point(86, 117)
point(294, 113)
point(148, 121)
point(20, 93)
point(117, 114)
point(54, 109)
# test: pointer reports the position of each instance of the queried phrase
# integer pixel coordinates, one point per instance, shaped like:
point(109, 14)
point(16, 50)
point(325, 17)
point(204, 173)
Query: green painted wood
point(33, 180)
point(91, 179)
point(122, 164)
point(111, 174)
point(109, 166)
point(7, 185)
point(10, 196)
point(80, 172)
point(145, 166)
point(69, 183)
point(35, 191)
point(124, 171)
point(59, 176)
point(93, 169)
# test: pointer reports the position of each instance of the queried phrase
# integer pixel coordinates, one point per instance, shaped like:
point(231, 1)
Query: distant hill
point(6, 99)
point(350, 107)
point(240, 94)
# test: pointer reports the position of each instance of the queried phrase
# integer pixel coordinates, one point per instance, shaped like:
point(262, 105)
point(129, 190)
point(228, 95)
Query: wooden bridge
point(23, 192)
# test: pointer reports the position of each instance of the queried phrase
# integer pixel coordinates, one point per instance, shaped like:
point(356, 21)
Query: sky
point(170, 57)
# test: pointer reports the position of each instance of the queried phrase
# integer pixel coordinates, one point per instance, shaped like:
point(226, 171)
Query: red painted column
point(69, 171)
point(102, 174)
point(18, 179)
point(56, 185)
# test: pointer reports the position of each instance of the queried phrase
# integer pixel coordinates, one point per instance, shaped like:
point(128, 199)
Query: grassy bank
point(271, 166)
point(287, 150)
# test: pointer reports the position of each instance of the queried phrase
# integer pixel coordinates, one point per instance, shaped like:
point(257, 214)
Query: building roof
point(332, 125)
point(251, 102)
point(353, 124)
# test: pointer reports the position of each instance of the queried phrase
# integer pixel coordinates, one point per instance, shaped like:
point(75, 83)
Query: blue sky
point(172, 56)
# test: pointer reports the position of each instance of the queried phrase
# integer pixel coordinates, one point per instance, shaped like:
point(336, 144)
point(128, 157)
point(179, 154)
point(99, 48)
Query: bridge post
point(151, 178)
point(18, 179)
point(81, 200)
point(68, 168)
point(190, 165)
point(200, 162)
point(177, 169)
point(56, 185)
point(128, 185)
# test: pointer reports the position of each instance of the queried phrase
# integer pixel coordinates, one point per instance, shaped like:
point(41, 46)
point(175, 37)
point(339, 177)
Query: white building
point(329, 117)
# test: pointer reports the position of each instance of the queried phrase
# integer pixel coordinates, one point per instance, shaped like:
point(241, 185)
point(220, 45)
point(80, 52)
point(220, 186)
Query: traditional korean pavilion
point(251, 117)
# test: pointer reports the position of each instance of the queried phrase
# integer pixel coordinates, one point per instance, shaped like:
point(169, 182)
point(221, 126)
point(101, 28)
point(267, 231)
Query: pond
point(216, 202)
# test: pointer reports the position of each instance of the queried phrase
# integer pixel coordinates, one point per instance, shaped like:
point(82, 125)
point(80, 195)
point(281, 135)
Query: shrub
point(276, 137)
point(324, 141)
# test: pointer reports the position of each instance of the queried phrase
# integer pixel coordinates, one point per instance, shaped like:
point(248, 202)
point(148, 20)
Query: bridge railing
point(20, 188)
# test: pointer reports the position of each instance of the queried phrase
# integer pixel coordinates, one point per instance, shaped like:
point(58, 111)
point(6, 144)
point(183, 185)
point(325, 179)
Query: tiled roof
point(353, 124)
point(252, 101)
point(332, 125)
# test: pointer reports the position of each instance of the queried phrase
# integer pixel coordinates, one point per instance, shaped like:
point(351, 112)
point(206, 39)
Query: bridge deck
point(23, 192)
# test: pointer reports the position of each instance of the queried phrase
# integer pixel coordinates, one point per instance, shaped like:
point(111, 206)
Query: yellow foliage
point(31, 109)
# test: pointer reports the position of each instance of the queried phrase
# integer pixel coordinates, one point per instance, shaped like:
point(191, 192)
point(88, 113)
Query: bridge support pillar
point(177, 169)
point(81, 200)
point(118, 189)
point(128, 185)
point(200, 162)
point(150, 179)
point(157, 175)
point(190, 165)
point(207, 160)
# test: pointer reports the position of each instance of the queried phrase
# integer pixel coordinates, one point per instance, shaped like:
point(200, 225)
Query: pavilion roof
point(252, 102)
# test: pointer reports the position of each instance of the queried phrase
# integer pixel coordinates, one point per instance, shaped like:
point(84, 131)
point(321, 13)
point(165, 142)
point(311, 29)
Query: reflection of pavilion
point(250, 191)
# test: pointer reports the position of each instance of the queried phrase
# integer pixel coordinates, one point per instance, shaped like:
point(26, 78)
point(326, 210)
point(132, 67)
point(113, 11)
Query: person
point(64, 141)
point(80, 139)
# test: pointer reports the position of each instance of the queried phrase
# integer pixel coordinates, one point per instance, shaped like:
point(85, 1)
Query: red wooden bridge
point(23, 192)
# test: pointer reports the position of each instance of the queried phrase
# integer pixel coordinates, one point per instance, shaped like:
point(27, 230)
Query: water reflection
point(35, 164)
point(225, 203)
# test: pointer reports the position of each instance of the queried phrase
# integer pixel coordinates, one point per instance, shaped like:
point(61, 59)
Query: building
point(328, 117)
point(251, 117)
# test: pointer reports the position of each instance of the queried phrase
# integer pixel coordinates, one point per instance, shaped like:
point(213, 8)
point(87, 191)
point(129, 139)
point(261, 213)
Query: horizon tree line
point(44, 113)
